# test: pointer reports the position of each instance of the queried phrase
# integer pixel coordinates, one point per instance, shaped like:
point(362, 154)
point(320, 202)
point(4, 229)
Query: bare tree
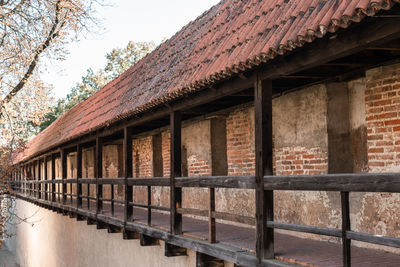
point(31, 30)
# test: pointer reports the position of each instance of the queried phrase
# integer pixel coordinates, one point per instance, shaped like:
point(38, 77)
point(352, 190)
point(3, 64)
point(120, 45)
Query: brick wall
point(382, 99)
point(142, 150)
point(380, 212)
point(142, 157)
point(165, 137)
point(240, 142)
point(300, 160)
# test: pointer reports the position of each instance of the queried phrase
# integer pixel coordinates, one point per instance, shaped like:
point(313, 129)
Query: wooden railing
point(344, 183)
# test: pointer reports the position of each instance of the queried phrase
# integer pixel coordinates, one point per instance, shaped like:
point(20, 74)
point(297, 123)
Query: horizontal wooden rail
point(305, 228)
point(352, 182)
point(238, 182)
point(374, 239)
point(157, 181)
point(140, 205)
point(117, 181)
point(218, 215)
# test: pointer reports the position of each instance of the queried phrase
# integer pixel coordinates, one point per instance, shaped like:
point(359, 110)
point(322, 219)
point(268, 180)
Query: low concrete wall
point(55, 240)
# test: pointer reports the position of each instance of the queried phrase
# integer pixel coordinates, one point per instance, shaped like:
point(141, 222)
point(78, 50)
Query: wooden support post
point(174, 251)
point(53, 177)
point(39, 186)
point(78, 176)
point(263, 160)
point(64, 175)
point(128, 173)
point(175, 165)
point(340, 157)
point(112, 201)
point(146, 240)
point(204, 260)
point(346, 243)
point(99, 174)
point(46, 177)
point(34, 178)
point(219, 167)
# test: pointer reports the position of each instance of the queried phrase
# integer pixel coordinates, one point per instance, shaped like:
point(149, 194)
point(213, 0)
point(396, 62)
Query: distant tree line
point(118, 61)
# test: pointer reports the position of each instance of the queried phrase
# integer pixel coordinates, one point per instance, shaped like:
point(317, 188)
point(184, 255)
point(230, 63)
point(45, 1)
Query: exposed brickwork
point(382, 100)
point(165, 136)
point(380, 213)
point(198, 166)
point(142, 149)
point(240, 142)
point(300, 160)
point(142, 157)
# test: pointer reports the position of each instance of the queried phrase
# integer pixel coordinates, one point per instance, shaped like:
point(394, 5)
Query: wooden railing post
point(212, 233)
point(263, 161)
point(99, 174)
point(64, 175)
point(46, 177)
point(346, 243)
point(53, 177)
point(34, 179)
point(128, 173)
point(78, 176)
point(39, 186)
point(176, 171)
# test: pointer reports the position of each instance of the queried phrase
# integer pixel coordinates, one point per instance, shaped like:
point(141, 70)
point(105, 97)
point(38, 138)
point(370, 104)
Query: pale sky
point(126, 20)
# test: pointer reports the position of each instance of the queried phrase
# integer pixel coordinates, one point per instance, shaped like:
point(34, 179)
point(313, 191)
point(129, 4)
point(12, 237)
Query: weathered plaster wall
point(196, 161)
point(113, 168)
point(67, 242)
point(301, 147)
point(88, 171)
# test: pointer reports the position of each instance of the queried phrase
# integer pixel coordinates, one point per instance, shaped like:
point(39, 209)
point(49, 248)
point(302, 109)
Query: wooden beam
point(146, 240)
point(374, 239)
point(370, 32)
point(204, 260)
point(175, 165)
point(111, 229)
point(350, 182)
point(101, 225)
point(129, 235)
point(263, 160)
point(171, 250)
point(305, 229)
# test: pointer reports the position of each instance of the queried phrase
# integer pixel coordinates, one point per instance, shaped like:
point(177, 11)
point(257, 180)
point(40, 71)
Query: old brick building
point(263, 116)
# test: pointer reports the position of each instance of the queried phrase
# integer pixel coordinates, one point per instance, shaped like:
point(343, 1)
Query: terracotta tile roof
point(231, 37)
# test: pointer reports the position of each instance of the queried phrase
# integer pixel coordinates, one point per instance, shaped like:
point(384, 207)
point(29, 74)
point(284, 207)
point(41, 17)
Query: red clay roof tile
point(231, 37)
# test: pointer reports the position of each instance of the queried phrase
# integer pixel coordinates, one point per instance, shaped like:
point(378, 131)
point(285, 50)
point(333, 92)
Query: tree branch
point(53, 33)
